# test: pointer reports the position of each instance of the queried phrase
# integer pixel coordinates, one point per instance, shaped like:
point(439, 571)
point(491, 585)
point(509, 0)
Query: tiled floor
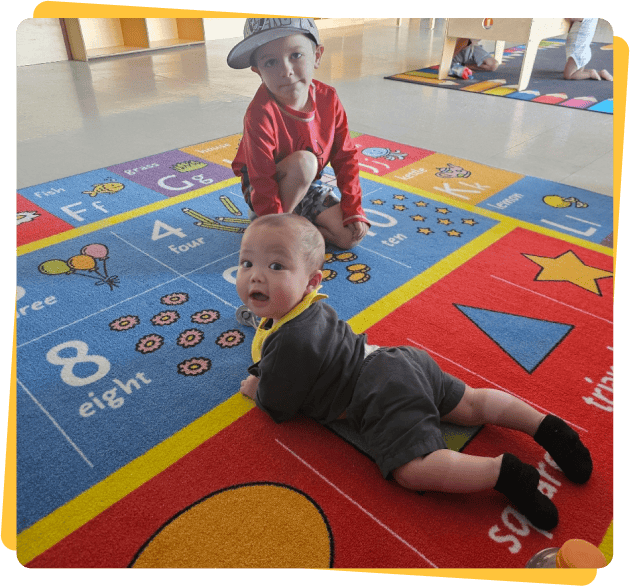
point(74, 117)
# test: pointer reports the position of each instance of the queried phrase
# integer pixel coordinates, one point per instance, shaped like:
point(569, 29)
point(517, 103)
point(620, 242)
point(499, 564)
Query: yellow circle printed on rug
point(258, 525)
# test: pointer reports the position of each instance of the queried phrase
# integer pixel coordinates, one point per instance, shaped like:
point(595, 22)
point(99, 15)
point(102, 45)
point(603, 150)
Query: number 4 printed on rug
point(162, 230)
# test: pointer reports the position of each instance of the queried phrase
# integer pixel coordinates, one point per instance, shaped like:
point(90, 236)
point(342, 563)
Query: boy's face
point(273, 277)
point(286, 67)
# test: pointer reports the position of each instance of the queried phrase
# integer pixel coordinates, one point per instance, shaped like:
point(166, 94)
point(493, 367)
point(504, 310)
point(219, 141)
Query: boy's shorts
point(400, 396)
point(319, 197)
point(471, 54)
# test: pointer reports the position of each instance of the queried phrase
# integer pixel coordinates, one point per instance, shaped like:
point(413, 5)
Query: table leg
point(526, 67)
point(448, 54)
point(499, 51)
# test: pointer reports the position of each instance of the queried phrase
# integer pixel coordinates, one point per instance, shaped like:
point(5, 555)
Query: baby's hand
point(248, 386)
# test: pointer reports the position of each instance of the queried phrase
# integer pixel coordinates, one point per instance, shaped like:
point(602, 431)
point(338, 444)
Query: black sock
point(565, 447)
point(519, 482)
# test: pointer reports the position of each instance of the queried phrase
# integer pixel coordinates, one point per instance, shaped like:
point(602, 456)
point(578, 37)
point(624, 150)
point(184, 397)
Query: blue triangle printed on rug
point(526, 340)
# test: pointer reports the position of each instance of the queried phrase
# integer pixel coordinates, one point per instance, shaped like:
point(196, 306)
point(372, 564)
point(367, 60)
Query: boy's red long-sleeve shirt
point(272, 132)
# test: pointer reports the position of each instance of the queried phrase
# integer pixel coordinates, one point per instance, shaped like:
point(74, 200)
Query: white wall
point(223, 28)
point(40, 40)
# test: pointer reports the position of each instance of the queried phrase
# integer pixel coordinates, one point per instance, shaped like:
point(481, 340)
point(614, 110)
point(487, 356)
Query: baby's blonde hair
point(311, 242)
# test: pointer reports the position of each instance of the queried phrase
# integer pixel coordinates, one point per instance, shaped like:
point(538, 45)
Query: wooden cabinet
point(90, 38)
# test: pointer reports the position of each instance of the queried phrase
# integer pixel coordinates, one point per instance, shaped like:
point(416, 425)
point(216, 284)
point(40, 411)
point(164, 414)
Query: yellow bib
point(262, 334)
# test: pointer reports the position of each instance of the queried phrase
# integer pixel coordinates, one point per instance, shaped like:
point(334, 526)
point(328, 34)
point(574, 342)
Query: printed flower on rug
point(174, 299)
point(149, 343)
point(165, 318)
point(205, 317)
point(230, 338)
point(195, 366)
point(190, 338)
point(124, 323)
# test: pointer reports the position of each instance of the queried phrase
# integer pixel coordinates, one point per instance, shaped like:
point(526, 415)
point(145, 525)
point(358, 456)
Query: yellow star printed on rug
point(568, 267)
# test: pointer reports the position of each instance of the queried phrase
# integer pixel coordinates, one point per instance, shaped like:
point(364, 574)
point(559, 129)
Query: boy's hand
point(359, 230)
point(248, 386)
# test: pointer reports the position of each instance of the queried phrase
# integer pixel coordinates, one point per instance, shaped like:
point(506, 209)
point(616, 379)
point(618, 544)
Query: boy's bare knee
point(302, 165)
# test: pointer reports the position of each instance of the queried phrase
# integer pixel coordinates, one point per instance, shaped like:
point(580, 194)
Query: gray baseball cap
point(258, 31)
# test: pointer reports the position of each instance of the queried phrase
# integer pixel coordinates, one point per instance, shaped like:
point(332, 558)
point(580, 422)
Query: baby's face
point(286, 67)
point(272, 278)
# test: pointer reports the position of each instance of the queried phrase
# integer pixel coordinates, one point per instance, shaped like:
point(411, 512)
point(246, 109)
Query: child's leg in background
point(571, 71)
point(578, 52)
point(294, 176)
point(480, 59)
point(330, 224)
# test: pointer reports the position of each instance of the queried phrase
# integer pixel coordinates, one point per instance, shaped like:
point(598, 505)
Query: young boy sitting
point(293, 128)
point(310, 362)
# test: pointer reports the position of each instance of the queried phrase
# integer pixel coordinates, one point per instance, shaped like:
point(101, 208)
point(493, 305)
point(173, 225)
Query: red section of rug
point(503, 279)
point(358, 512)
point(46, 225)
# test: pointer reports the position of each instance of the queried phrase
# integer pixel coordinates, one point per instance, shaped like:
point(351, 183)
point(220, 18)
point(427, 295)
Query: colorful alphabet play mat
point(134, 447)
point(546, 86)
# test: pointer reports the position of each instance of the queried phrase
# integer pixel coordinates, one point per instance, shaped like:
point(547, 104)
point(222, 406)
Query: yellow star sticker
point(568, 267)
point(378, 202)
point(469, 221)
point(424, 230)
point(453, 232)
point(443, 211)
point(418, 218)
point(399, 207)
point(399, 197)
point(421, 204)
point(444, 221)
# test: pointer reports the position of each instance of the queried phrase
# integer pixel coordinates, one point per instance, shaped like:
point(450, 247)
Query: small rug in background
point(546, 85)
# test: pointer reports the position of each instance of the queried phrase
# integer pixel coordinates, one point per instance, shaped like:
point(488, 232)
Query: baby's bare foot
point(593, 74)
point(604, 74)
